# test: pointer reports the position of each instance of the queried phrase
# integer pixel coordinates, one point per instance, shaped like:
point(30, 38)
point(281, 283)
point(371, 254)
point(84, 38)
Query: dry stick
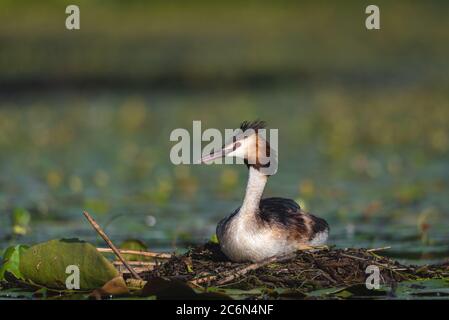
point(135, 263)
point(199, 281)
point(139, 253)
point(137, 269)
point(255, 266)
point(110, 244)
point(353, 257)
point(378, 249)
point(238, 272)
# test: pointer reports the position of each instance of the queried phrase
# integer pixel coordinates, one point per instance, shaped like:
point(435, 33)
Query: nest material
point(304, 270)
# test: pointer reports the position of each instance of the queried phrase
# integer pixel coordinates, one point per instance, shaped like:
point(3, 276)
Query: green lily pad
point(359, 291)
point(11, 262)
point(422, 288)
point(48, 264)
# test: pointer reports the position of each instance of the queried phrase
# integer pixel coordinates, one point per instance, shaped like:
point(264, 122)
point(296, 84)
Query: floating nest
point(305, 270)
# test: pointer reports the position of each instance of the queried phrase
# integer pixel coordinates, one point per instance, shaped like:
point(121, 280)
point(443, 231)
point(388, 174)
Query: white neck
point(254, 191)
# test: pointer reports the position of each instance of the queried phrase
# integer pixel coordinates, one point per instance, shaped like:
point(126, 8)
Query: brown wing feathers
point(286, 216)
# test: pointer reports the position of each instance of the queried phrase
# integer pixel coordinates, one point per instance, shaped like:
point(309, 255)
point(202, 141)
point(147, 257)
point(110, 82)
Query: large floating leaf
point(430, 288)
point(360, 291)
point(11, 262)
point(46, 264)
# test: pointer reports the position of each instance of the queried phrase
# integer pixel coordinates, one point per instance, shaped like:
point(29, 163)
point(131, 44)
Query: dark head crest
point(255, 125)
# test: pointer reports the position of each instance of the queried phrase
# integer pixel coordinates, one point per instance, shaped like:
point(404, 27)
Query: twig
point(199, 281)
point(139, 253)
point(378, 249)
point(136, 263)
point(138, 266)
point(139, 270)
point(110, 244)
point(327, 276)
point(254, 266)
point(353, 257)
point(238, 272)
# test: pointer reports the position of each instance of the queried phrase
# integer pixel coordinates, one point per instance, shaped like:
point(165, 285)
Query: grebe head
point(249, 144)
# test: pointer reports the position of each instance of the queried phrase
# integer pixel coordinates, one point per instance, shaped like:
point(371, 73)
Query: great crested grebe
point(263, 228)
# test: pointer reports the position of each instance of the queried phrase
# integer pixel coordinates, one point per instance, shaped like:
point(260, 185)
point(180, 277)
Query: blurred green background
point(363, 117)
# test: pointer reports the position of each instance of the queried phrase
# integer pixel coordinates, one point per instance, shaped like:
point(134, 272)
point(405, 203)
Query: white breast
point(246, 241)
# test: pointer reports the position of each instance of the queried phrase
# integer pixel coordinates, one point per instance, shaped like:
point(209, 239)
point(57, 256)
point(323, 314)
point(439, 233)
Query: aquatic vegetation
point(363, 127)
point(204, 273)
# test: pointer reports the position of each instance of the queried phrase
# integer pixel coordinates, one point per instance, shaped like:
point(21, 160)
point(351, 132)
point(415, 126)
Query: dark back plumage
point(286, 214)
